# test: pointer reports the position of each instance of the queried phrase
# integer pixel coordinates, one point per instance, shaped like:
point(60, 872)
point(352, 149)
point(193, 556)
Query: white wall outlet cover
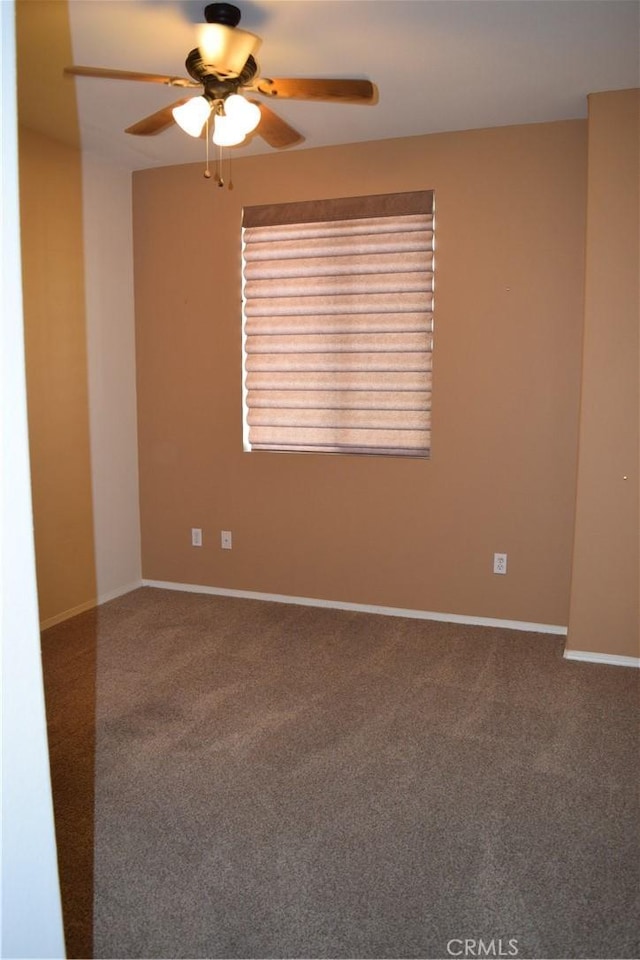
point(500, 563)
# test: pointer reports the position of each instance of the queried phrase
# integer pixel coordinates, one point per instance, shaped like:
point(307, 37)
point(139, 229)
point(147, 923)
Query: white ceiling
point(438, 64)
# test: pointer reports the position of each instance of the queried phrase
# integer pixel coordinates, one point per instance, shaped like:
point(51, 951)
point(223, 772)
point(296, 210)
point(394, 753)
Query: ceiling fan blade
point(275, 130)
point(107, 74)
point(348, 91)
point(155, 122)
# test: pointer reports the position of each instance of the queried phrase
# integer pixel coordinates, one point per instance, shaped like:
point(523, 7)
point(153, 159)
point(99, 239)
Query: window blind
point(338, 325)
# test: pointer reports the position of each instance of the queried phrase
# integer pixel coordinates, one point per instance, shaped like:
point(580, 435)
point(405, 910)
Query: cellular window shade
point(338, 325)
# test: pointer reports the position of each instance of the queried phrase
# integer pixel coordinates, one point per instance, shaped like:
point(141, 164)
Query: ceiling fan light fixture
point(245, 115)
point(226, 49)
point(224, 68)
point(226, 133)
point(192, 115)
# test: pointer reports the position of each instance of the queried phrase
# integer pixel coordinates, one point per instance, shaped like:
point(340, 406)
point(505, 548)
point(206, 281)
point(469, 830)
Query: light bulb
point(225, 48)
point(192, 115)
point(245, 115)
point(226, 133)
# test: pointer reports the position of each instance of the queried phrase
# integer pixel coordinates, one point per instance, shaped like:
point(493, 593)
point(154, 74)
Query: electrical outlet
point(225, 539)
point(499, 563)
point(196, 537)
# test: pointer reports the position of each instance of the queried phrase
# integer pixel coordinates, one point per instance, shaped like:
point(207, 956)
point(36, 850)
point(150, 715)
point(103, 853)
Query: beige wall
point(510, 271)
point(52, 244)
point(56, 364)
point(78, 281)
point(604, 597)
point(509, 308)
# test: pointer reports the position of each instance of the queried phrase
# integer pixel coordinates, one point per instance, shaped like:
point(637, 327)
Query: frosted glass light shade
point(226, 49)
point(192, 115)
point(226, 133)
point(246, 116)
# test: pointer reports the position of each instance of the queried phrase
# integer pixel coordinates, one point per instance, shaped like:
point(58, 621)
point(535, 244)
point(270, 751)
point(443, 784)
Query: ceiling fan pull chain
point(219, 170)
point(230, 184)
point(207, 172)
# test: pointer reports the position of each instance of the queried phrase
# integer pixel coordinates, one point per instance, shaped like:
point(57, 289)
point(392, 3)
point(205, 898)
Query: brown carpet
point(235, 778)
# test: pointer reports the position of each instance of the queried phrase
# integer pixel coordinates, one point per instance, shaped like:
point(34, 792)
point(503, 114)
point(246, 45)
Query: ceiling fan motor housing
point(215, 86)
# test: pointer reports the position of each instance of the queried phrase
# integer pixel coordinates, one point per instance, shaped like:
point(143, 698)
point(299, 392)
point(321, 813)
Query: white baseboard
point(67, 614)
point(608, 658)
point(584, 655)
point(89, 605)
point(360, 607)
point(118, 592)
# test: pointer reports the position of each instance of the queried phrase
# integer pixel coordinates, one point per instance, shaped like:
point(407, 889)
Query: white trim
point(67, 614)
point(612, 659)
point(118, 592)
point(29, 869)
point(360, 607)
point(89, 604)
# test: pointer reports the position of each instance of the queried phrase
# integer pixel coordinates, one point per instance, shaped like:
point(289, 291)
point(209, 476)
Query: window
point(338, 324)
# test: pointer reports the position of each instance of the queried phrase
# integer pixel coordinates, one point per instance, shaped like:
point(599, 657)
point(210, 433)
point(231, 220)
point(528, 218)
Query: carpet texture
point(235, 778)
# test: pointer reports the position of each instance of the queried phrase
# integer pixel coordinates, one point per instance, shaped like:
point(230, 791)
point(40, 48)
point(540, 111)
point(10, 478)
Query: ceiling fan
point(224, 68)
